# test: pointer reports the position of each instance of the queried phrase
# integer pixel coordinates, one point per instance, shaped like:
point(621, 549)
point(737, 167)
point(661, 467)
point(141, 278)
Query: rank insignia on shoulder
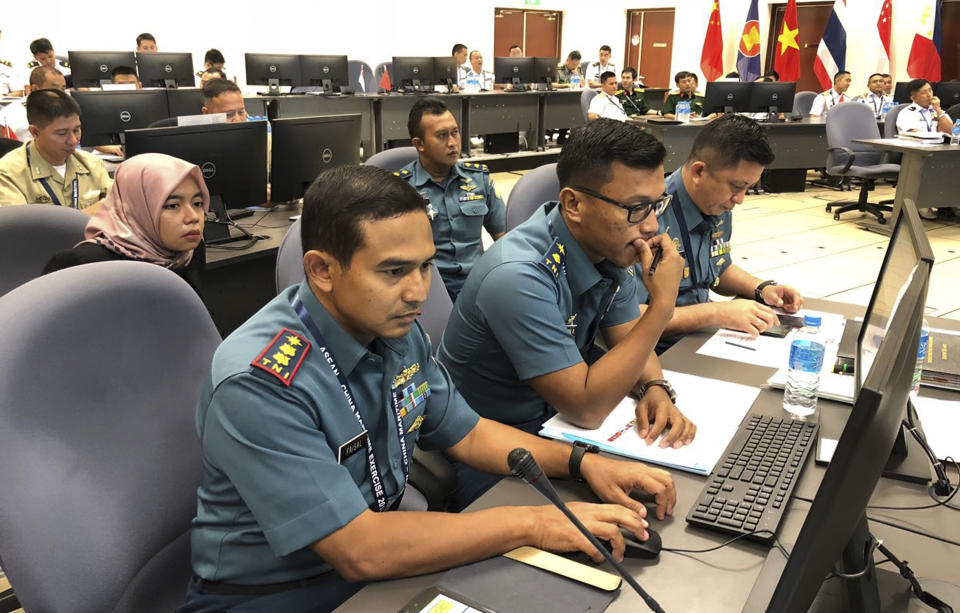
point(283, 356)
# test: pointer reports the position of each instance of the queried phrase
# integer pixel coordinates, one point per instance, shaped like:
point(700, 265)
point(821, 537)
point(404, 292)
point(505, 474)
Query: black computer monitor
point(166, 69)
point(272, 69)
point(773, 98)
point(446, 70)
point(514, 70)
point(303, 147)
point(900, 93)
point(107, 115)
point(835, 530)
point(90, 68)
point(726, 97)
point(949, 94)
point(412, 72)
point(232, 157)
point(327, 71)
point(185, 101)
point(545, 69)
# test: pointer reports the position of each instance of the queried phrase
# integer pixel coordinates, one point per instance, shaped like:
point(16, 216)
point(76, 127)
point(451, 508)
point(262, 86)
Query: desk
point(239, 278)
point(560, 109)
point(722, 580)
point(283, 107)
point(502, 112)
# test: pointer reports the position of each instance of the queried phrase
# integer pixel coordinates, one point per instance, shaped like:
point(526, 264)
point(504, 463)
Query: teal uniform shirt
point(283, 466)
point(459, 208)
point(706, 248)
point(532, 306)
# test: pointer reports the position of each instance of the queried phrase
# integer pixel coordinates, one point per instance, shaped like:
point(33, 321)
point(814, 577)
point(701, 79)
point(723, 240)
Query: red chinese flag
point(385, 80)
point(711, 59)
point(787, 58)
point(7, 132)
point(883, 26)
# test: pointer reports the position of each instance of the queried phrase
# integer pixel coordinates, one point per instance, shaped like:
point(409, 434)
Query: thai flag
point(832, 51)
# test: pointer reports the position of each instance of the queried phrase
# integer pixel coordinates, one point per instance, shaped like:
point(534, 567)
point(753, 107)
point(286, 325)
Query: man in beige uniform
point(50, 169)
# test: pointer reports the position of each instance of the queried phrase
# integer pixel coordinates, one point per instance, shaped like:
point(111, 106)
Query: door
point(812, 21)
point(950, 43)
point(538, 32)
point(649, 45)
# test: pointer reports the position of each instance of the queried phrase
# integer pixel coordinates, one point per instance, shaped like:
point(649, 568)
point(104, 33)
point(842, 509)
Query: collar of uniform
point(582, 274)
point(40, 168)
point(681, 198)
point(421, 177)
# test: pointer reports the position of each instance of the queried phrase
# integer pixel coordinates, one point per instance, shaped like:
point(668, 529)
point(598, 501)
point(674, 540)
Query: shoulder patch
point(675, 92)
point(6, 63)
point(283, 356)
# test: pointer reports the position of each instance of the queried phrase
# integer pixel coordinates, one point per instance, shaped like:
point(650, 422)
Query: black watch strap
point(758, 293)
point(660, 383)
point(576, 458)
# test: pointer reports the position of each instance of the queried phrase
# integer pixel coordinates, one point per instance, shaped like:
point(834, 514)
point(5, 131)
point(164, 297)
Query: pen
point(657, 257)
point(740, 346)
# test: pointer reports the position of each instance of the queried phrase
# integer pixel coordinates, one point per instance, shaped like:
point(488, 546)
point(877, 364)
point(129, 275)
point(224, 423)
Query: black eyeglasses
point(635, 212)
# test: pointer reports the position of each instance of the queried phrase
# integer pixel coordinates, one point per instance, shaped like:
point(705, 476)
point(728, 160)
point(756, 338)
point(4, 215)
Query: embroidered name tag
point(351, 447)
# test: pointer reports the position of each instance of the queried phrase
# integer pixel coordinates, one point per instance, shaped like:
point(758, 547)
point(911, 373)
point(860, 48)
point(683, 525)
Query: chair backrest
point(890, 131)
point(100, 455)
point(436, 310)
point(366, 85)
point(585, 99)
point(845, 122)
point(393, 159)
point(954, 112)
point(290, 259)
point(533, 189)
point(7, 145)
point(166, 122)
point(30, 235)
point(803, 102)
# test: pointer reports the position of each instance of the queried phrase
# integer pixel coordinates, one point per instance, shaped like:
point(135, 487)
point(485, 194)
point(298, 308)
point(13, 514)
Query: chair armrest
point(8, 601)
point(433, 475)
point(850, 156)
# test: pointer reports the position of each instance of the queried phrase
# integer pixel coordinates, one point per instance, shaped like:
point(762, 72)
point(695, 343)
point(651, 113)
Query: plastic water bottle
point(473, 83)
point(683, 111)
point(921, 352)
point(803, 376)
point(575, 81)
point(955, 134)
point(885, 109)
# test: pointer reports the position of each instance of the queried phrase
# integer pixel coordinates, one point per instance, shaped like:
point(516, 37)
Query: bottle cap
point(812, 321)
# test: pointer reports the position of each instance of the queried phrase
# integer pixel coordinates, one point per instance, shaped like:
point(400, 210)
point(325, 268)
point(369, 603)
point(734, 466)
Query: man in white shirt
point(877, 96)
point(459, 53)
point(476, 71)
point(924, 114)
point(606, 104)
point(834, 96)
point(14, 116)
point(596, 69)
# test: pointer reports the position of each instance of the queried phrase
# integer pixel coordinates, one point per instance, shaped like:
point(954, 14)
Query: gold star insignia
point(787, 39)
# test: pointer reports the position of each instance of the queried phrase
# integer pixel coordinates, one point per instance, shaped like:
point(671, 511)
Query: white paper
point(715, 407)
point(827, 447)
point(833, 386)
point(941, 423)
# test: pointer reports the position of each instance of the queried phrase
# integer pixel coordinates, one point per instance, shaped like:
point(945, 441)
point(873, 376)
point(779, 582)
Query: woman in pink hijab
point(153, 213)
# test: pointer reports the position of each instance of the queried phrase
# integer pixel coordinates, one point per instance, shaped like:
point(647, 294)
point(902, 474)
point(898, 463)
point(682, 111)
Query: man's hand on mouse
point(613, 480)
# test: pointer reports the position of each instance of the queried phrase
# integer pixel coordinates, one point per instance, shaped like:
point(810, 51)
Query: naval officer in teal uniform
point(462, 200)
point(311, 412)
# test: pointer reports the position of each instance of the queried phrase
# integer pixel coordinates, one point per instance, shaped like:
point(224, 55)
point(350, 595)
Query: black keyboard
point(749, 487)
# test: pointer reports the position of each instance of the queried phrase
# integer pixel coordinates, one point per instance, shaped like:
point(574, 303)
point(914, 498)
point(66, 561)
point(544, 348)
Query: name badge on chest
point(351, 447)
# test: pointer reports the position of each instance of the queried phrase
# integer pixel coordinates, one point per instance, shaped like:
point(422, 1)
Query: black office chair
point(169, 122)
point(9, 144)
point(954, 112)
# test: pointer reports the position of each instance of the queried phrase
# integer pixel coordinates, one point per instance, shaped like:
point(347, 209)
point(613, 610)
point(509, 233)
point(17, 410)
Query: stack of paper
point(716, 407)
point(940, 420)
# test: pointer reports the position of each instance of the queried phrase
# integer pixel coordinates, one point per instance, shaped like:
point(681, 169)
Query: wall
point(375, 30)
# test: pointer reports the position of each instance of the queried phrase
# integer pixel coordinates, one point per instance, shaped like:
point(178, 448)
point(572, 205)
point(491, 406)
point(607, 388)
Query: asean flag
point(748, 55)
point(924, 62)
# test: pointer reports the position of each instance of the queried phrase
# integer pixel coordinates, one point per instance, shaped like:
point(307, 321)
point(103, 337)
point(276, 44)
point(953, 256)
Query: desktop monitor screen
point(303, 147)
point(106, 115)
point(726, 97)
point(330, 71)
point(446, 70)
point(185, 101)
point(514, 70)
point(89, 68)
point(413, 71)
point(232, 157)
point(545, 69)
point(949, 94)
point(265, 67)
point(900, 94)
point(774, 97)
point(165, 69)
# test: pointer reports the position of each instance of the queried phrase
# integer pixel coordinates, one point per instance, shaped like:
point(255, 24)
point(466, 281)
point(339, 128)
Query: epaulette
point(618, 92)
point(638, 89)
point(200, 73)
point(401, 173)
point(283, 356)
point(827, 94)
point(64, 63)
point(696, 93)
point(477, 167)
point(6, 63)
point(33, 64)
point(674, 91)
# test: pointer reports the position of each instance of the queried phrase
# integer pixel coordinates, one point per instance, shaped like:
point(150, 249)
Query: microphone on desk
point(523, 465)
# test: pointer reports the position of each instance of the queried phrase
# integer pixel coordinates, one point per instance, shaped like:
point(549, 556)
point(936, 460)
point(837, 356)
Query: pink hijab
point(128, 222)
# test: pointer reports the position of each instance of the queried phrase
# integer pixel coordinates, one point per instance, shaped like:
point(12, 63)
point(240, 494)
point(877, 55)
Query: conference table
point(722, 580)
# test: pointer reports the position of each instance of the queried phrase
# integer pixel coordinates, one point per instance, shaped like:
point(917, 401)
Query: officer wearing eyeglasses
point(728, 156)
point(520, 343)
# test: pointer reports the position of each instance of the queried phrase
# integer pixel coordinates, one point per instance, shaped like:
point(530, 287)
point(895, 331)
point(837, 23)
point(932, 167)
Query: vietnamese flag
point(711, 58)
point(924, 62)
point(787, 58)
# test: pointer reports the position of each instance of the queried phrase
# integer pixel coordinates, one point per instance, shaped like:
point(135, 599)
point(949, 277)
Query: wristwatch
point(662, 383)
point(580, 448)
point(758, 293)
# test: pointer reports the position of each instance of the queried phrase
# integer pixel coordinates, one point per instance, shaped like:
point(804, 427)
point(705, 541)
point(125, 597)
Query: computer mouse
point(645, 550)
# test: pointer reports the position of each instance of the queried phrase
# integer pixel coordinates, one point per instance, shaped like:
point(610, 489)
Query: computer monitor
point(835, 530)
point(272, 69)
point(545, 69)
point(90, 68)
point(900, 93)
point(726, 97)
point(773, 98)
point(185, 101)
point(105, 116)
point(169, 70)
point(949, 94)
point(232, 157)
point(446, 70)
point(413, 72)
point(303, 147)
point(328, 71)
point(514, 70)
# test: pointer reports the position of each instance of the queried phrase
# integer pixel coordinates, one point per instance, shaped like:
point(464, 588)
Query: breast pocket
point(474, 208)
point(413, 404)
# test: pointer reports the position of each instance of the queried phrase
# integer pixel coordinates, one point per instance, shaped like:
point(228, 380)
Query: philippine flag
point(924, 61)
point(748, 55)
point(832, 51)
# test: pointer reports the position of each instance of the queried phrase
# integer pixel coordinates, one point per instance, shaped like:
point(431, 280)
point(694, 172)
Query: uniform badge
point(351, 447)
point(283, 356)
point(717, 234)
point(413, 396)
point(572, 327)
point(676, 244)
point(405, 375)
point(686, 272)
point(468, 187)
point(416, 424)
point(720, 262)
point(431, 212)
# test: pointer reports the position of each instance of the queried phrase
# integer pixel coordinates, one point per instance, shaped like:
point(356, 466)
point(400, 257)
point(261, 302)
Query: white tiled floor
point(791, 238)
